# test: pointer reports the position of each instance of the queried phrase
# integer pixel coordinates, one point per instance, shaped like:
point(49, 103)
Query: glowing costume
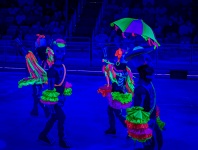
point(38, 76)
point(54, 96)
point(45, 57)
point(143, 117)
point(120, 92)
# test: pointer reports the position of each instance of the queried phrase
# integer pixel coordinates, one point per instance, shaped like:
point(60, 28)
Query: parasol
point(136, 26)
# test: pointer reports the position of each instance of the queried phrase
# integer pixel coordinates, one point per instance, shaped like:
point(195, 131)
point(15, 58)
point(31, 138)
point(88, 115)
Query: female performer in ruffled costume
point(37, 71)
point(54, 95)
point(120, 92)
point(55, 78)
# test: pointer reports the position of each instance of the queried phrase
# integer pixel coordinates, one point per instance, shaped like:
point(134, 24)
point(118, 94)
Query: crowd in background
point(24, 18)
point(173, 21)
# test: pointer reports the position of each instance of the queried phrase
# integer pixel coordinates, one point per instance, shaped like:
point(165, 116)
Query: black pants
point(156, 139)
point(111, 114)
point(37, 91)
point(57, 115)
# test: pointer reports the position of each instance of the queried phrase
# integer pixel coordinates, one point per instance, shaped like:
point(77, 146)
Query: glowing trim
point(63, 77)
point(60, 45)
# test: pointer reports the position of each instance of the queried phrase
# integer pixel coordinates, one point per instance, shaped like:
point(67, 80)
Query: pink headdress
point(40, 36)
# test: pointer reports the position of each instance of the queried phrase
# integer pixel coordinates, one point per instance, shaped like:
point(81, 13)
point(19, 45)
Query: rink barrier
point(83, 54)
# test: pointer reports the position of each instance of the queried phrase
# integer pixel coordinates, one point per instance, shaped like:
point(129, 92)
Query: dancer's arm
point(23, 51)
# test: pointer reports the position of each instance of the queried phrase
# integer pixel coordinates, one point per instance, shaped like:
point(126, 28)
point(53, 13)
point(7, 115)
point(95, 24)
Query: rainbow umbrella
point(136, 26)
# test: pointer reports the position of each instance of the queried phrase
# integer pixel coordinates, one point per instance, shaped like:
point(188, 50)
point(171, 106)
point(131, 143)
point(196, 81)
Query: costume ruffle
point(37, 74)
point(140, 135)
point(122, 97)
point(137, 115)
point(49, 97)
point(131, 125)
point(67, 89)
point(160, 123)
point(137, 124)
point(105, 90)
point(67, 92)
point(119, 100)
point(30, 81)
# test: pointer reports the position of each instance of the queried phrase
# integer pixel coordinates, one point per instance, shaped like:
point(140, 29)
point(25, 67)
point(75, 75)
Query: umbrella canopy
point(136, 26)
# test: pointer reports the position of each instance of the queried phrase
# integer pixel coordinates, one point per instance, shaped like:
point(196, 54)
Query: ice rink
point(86, 115)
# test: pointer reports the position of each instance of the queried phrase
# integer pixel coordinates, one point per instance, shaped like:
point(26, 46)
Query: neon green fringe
point(67, 91)
point(123, 98)
point(160, 123)
point(50, 95)
point(137, 115)
point(29, 81)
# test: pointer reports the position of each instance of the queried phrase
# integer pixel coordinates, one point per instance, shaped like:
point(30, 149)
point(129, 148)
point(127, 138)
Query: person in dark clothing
point(144, 99)
point(113, 112)
point(40, 53)
point(38, 77)
point(56, 84)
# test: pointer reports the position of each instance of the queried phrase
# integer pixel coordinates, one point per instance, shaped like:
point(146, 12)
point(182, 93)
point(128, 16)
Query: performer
point(54, 96)
point(38, 77)
point(142, 119)
point(120, 93)
point(46, 60)
point(106, 89)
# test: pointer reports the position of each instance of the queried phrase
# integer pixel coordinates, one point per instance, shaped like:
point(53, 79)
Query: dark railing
point(88, 54)
point(75, 17)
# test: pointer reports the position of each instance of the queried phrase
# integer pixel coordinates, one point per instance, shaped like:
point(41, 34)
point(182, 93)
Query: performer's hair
point(41, 52)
